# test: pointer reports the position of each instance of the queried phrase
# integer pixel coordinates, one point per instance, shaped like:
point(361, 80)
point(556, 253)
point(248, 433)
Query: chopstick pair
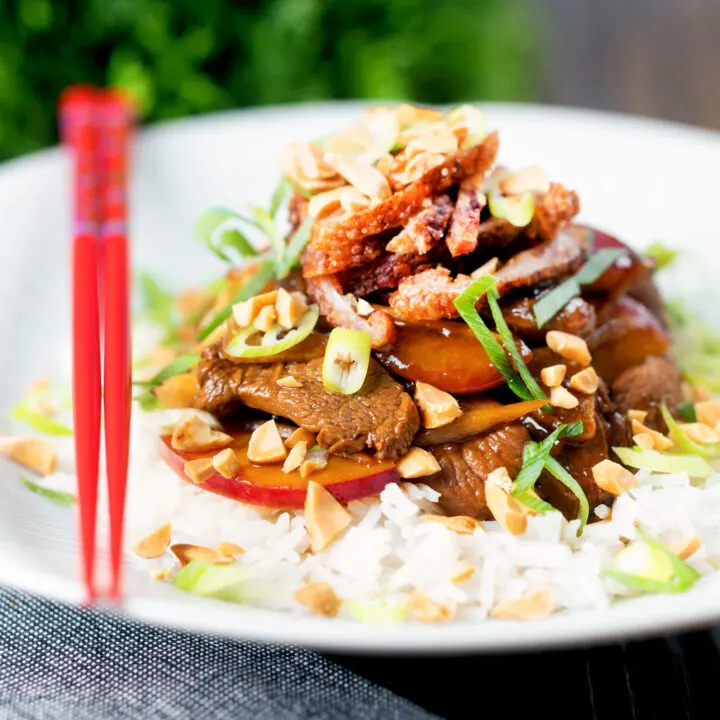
point(96, 127)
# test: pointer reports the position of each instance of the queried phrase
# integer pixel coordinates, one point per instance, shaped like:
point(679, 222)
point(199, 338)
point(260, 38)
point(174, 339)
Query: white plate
point(643, 180)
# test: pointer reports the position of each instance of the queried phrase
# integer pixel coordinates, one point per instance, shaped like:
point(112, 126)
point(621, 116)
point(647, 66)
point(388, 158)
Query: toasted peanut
point(186, 552)
point(161, 573)
point(413, 114)
point(325, 517)
point(246, 312)
point(613, 478)
point(296, 457)
point(226, 463)
point(500, 477)
point(34, 454)
point(229, 548)
point(364, 308)
point(460, 524)
point(417, 463)
point(437, 408)
point(303, 161)
point(660, 442)
point(289, 382)
point(700, 433)
point(155, 544)
point(700, 393)
point(638, 415)
point(553, 376)
point(529, 179)
point(320, 598)
point(193, 434)
point(532, 604)
point(511, 514)
point(178, 391)
point(571, 347)
point(442, 143)
point(421, 164)
point(309, 466)
point(421, 607)
point(199, 470)
point(192, 303)
point(586, 381)
point(708, 412)
point(300, 435)
point(488, 268)
point(685, 547)
point(644, 441)
point(265, 319)
point(562, 398)
point(346, 198)
point(289, 308)
point(266, 445)
point(363, 177)
point(462, 571)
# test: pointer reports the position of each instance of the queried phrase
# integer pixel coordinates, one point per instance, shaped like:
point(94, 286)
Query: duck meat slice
point(424, 230)
point(577, 318)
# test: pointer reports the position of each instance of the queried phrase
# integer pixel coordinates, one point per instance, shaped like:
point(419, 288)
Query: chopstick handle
point(116, 127)
point(78, 132)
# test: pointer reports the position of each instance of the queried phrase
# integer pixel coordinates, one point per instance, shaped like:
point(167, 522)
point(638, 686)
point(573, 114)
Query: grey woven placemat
point(66, 663)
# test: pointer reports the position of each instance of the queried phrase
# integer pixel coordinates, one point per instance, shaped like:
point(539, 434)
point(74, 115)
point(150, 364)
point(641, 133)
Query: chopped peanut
point(226, 463)
point(644, 441)
point(311, 465)
point(660, 442)
point(162, 573)
point(325, 517)
point(155, 544)
point(511, 514)
point(199, 470)
point(638, 415)
point(685, 547)
point(266, 445)
point(532, 604)
point(186, 552)
point(417, 463)
point(437, 408)
point(265, 319)
point(529, 179)
point(586, 381)
point(192, 434)
point(501, 477)
point(363, 177)
point(320, 598)
point(300, 435)
point(708, 412)
point(553, 376)
point(229, 548)
point(178, 391)
point(327, 203)
point(421, 164)
point(460, 524)
point(296, 457)
point(246, 312)
point(421, 607)
point(36, 455)
point(613, 478)
point(463, 571)
point(562, 398)
point(700, 393)
point(488, 268)
point(364, 308)
point(289, 308)
point(289, 382)
point(569, 346)
point(700, 433)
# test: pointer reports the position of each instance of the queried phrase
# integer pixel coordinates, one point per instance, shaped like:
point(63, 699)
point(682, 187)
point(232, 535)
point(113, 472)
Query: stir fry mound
point(437, 312)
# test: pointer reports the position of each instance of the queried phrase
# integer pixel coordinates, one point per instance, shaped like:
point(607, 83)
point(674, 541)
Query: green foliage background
point(181, 57)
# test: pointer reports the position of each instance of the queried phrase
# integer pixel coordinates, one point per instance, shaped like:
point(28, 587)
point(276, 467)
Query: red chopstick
point(79, 133)
point(96, 127)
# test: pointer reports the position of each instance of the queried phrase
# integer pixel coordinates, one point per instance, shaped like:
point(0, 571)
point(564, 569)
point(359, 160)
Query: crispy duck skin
point(462, 237)
point(423, 230)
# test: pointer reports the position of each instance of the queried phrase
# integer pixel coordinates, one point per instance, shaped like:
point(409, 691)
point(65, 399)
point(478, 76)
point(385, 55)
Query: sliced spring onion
point(561, 474)
point(232, 583)
point(465, 304)
point(535, 457)
point(178, 366)
point(252, 287)
point(57, 496)
point(646, 564)
point(346, 361)
point(553, 302)
point(266, 222)
point(295, 246)
point(473, 119)
point(658, 462)
point(24, 413)
point(270, 342)
point(518, 210)
point(661, 254)
point(280, 194)
point(687, 411)
point(682, 439)
point(158, 304)
point(508, 342)
point(378, 611)
point(222, 230)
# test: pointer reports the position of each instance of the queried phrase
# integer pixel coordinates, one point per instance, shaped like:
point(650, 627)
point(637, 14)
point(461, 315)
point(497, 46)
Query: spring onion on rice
point(682, 439)
point(693, 465)
point(232, 583)
point(378, 611)
point(59, 497)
